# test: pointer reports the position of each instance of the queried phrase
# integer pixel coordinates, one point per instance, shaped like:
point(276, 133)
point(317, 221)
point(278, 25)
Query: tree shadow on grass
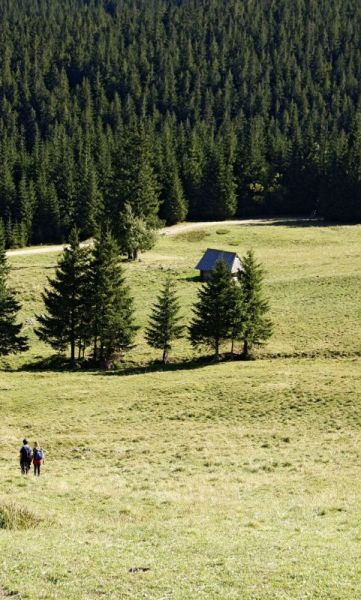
point(60, 364)
point(310, 355)
point(54, 363)
point(159, 367)
point(305, 222)
point(190, 278)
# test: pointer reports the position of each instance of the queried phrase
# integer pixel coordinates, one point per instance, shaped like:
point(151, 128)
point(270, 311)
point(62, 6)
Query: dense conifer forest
point(174, 109)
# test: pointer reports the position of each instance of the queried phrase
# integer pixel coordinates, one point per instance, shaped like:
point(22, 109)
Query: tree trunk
point(217, 350)
point(135, 254)
point(72, 351)
point(165, 355)
point(245, 349)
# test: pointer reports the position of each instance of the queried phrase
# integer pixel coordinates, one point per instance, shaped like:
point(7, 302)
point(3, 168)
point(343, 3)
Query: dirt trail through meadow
point(169, 231)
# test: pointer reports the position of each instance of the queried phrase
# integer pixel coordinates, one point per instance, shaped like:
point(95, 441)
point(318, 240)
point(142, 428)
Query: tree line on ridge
point(162, 110)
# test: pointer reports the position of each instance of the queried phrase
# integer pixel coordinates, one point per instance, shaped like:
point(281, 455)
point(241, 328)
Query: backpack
point(38, 454)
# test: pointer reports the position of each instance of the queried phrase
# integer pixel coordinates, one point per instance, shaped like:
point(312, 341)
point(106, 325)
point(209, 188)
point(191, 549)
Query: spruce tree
point(164, 326)
point(214, 311)
point(174, 206)
point(90, 203)
point(193, 169)
point(66, 301)
point(112, 321)
point(11, 341)
point(219, 200)
point(135, 181)
point(255, 327)
point(26, 200)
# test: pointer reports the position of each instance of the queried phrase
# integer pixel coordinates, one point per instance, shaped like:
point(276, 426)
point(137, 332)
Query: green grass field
point(225, 481)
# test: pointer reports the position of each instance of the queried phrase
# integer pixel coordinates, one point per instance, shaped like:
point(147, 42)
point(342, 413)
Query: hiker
point(25, 457)
point(38, 458)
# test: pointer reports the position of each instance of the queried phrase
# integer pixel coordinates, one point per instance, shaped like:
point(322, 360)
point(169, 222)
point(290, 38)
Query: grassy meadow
point(198, 480)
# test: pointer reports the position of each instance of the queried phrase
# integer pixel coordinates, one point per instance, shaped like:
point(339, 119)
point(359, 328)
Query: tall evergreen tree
point(213, 313)
point(136, 182)
point(255, 327)
point(164, 326)
point(66, 301)
point(90, 206)
point(174, 206)
point(112, 320)
point(11, 340)
point(193, 169)
point(219, 190)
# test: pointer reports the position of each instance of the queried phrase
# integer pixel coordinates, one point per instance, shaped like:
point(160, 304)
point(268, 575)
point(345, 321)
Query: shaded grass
point(197, 235)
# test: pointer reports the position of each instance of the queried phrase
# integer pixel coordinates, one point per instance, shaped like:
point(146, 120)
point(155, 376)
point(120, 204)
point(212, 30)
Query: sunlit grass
point(224, 481)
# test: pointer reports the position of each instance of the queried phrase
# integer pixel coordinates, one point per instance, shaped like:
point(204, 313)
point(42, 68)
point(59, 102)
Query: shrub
point(15, 517)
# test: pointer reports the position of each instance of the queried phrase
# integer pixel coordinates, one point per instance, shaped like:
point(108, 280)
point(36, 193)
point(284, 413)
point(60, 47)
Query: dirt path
point(184, 227)
point(167, 231)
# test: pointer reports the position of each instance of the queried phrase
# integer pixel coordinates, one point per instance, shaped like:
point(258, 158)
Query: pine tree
point(136, 182)
point(90, 203)
point(214, 311)
point(164, 325)
point(26, 199)
point(11, 341)
point(193, 169)
point(236, 313)
point(219, 191)
point(255, 327)
point(66, 301)
point(112, 322)
point(174, 206)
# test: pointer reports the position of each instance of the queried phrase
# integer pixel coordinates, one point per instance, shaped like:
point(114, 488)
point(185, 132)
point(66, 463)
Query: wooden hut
point(211, 256)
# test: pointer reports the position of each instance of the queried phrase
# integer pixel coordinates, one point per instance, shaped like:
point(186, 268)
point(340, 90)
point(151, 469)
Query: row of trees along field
point(177, 109)
point(89, 308)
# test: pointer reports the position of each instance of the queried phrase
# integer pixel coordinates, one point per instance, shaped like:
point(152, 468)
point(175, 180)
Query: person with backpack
point(38, 458)
point(26, 455)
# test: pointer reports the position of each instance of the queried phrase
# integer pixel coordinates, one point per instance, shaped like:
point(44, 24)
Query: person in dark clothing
point(26, 455)
point(38, 458)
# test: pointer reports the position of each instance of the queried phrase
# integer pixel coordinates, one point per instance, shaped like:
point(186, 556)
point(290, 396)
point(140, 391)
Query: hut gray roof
point(211, 256)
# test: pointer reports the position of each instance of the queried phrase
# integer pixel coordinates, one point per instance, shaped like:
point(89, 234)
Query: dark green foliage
point(214, 311)
point(164, 326)
point(66, 302)
point(219, 190)
point(112, 324)
point(88, 302)
point(176, 108)
point(253, 326)
point(134, 181)
point(133, 234)
point(11, 341)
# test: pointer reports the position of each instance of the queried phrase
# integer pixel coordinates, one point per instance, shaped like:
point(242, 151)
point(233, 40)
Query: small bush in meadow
point(16, 517)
